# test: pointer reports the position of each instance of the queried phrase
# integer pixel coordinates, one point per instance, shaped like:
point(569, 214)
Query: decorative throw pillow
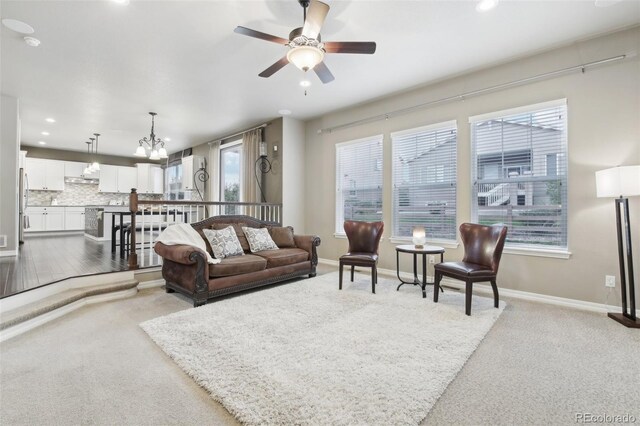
point(282, 236)
point(224, 242)
point(259, 239)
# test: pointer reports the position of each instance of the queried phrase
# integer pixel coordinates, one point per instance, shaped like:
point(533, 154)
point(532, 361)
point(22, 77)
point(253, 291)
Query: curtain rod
point(463, 96)
point(261, 126)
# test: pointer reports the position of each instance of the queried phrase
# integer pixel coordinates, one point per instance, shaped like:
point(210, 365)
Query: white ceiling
point(102, 66)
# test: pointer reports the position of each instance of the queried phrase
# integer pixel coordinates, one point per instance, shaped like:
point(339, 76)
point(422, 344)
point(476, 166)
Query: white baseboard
point(516, 294)
point(25, 326)
point(8, 253)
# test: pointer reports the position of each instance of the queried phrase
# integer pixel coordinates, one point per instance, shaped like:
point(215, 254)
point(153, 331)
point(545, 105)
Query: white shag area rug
point(306, 353)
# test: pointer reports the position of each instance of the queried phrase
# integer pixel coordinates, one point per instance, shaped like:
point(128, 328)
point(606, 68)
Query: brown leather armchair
point(482, 251)
point(364, 239)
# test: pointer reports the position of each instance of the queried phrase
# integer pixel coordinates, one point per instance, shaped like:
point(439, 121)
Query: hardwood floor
point(46, 259)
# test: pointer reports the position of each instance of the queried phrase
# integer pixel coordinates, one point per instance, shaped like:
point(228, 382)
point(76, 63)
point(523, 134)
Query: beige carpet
point(309, 354)
point(539, 364)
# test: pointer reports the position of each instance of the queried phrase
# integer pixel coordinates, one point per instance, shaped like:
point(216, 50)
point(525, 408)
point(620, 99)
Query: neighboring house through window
point(424, 181)
point(358, 181)
point(519, 172)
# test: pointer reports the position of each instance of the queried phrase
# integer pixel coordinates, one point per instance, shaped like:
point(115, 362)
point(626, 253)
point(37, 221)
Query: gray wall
point(293, 174)
point(9, 150)
point(604, 131)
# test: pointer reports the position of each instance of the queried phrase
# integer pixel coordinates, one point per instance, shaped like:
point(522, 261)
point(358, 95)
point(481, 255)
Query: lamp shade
point(305, 57)
point(140, 151)
point(419, 236)
point(623, 181)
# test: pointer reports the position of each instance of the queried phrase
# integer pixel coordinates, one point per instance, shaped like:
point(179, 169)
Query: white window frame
point(339, 216)
point(396, 239)
point(518, 249)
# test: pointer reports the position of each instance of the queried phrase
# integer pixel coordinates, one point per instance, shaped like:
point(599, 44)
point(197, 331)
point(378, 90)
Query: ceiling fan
point(306, 49)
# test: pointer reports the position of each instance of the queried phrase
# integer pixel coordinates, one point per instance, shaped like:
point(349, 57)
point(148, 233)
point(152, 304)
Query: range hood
point(86, 181)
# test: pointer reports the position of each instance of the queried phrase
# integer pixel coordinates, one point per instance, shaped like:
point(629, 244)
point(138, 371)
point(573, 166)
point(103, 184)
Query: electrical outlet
point(432, 259)
point(609, 280)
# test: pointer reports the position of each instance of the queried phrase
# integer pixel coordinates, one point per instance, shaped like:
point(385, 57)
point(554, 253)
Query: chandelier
point(155, 146)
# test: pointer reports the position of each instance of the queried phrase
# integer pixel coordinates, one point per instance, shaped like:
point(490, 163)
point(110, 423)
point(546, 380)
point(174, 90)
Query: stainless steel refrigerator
point(23, 219)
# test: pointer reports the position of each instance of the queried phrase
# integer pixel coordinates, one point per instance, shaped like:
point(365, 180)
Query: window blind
point(358, 181)
point(519, 172)
point(424, 181)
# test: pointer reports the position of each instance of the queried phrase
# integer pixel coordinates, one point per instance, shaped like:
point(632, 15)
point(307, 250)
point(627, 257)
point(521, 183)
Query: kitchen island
point(99, 220)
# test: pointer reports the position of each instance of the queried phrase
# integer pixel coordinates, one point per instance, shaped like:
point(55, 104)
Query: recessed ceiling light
point(42, 142)
point(167, 139)
point(305, 83)
point(45, 133)
point(486, 5)
point(32, 41)
point(121, 1)
point(50, 120)
point(284, 112)
point(18, 26)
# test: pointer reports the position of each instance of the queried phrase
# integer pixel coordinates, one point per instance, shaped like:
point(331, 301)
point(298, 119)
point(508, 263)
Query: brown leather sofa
point(185, 268)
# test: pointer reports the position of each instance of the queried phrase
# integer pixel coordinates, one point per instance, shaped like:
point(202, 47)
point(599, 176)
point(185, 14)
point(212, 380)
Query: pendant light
point(95, 166)
point(87, 170)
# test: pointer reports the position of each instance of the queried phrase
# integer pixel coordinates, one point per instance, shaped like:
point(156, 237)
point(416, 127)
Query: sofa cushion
point(236, 265)
point(282, 257)
point(224, 242)
point(259, 239)
point(282, 236)
point(238, 228)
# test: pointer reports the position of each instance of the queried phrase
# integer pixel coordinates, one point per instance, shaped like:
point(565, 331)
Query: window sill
point(442, 243)
point(555, 254)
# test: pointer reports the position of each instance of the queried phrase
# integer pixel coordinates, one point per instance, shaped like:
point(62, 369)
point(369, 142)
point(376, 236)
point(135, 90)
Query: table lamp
point(419, 236)
point(622, 182)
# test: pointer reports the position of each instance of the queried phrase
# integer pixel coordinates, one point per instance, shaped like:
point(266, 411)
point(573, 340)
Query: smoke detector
point(32, 41)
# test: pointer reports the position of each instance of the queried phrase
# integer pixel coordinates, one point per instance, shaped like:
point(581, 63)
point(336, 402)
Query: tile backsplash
point(79, 194)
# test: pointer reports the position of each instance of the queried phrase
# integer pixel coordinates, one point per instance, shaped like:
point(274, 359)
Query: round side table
point(424, 251)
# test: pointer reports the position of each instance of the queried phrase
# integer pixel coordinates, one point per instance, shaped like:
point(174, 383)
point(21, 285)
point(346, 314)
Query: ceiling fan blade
point(323, 73)
point(274, 68)
point(315, 18)
point(257, 34)
point(365, 47)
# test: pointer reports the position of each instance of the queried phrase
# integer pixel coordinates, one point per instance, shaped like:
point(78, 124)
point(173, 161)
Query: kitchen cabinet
point(47, 175)
point(45, 219)
point(150, 179)
point(75, 169)
point(190, 165)
point(118, 179)
point(73, 218)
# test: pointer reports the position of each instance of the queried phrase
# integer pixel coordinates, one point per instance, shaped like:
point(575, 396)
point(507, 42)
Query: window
point(231, 176)
point(519, 172)
point(358, 181)
point(424, 181)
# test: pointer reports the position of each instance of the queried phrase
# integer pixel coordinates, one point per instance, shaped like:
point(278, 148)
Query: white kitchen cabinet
point(150, 178)
point(44, 174)
point(45, 219)
point(73, 218)
point(108, 179)
point(75, 169)
point(127, 179)
point(119, 179)
point(190, 165)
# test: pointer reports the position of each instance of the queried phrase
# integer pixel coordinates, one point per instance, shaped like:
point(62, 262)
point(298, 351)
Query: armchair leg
point(468, 293)
point(353, 268)
point(496, 297)
point(436, 287)
point(374, 279)
point(340, 280)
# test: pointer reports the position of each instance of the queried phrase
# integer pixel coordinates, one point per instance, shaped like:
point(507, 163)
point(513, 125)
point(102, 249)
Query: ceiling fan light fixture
point(305, 57)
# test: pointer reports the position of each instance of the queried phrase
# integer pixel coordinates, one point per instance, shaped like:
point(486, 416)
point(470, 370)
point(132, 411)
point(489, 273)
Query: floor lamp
point(622, 182)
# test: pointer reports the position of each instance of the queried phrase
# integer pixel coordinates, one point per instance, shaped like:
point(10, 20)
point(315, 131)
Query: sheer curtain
point(214, 175)
point(250, 153)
